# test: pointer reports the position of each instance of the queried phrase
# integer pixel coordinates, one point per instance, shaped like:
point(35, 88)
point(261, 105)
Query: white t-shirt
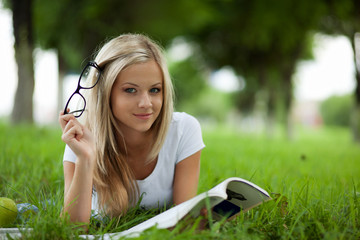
point(184, 138)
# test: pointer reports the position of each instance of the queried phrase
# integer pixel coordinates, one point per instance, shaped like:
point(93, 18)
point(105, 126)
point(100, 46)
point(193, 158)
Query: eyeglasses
point(89, 77)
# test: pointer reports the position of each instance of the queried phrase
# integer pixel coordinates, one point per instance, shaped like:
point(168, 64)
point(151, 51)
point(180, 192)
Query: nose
point(145, 101)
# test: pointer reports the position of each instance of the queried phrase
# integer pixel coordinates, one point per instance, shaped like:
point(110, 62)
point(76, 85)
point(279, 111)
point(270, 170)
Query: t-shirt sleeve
point(69, 155)
point(191, 140)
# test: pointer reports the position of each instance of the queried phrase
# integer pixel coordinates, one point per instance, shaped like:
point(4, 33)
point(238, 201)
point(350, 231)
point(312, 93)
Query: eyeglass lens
point(89, 77)
point(76, 104)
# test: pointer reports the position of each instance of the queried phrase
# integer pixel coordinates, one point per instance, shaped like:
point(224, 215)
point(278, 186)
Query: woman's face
point(137, 97)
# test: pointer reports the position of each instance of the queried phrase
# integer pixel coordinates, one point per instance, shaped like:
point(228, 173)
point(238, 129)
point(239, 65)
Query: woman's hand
point(78, 177)
point(77, 137)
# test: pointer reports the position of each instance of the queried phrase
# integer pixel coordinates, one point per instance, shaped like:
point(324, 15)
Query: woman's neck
point(136, 144)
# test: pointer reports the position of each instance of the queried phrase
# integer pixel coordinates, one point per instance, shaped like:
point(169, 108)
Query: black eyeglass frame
point(79, 87)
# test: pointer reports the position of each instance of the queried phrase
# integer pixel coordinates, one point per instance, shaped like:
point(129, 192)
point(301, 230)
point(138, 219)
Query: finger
point(73, 131)
point(79, 133)
point(62, 112)
point(71, 123)
point(64, 119)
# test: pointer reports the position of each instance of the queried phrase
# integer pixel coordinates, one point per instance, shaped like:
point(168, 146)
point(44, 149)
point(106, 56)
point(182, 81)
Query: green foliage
point(210, 103)
point(188, 81)
point(5, 3)
point(76, 29)
point(262, 41)
point(336, 110)
point(255, 37)
point(312, 198)
point(343, 18)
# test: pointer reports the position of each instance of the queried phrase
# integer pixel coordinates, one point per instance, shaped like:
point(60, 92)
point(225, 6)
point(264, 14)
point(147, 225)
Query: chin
point(143, 128)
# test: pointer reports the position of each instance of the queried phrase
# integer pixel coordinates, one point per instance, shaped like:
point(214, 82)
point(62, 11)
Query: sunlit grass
point(314, 180)
point(318, 174)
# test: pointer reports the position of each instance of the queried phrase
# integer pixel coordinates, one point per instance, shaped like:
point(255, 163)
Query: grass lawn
point(315, 182)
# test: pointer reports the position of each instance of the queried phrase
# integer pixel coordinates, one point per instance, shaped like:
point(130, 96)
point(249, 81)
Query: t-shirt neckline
point(153, 173)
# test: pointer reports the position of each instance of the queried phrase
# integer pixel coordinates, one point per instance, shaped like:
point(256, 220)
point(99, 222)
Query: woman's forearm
point(77, 198)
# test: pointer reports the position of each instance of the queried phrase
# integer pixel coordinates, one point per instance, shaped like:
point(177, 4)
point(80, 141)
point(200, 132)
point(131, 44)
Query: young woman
point(131, 146)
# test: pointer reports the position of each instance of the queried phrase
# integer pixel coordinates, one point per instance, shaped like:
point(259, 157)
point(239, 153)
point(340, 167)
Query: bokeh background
point(259, 66)
point(275, 85)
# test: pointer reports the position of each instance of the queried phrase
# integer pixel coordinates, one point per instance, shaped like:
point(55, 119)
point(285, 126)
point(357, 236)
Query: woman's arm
point(186, 178)
point(77, 191)
point(78, 177)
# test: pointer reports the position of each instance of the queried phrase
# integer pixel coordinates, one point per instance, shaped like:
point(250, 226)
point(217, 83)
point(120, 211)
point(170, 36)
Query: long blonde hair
point(113, 178)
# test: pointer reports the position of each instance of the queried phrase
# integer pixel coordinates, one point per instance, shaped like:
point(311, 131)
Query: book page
point(226, 199)
point(241, 196)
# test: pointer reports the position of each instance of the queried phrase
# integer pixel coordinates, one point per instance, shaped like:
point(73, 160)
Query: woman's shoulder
point(181, 117)
point(184, 136)
point(184, 122)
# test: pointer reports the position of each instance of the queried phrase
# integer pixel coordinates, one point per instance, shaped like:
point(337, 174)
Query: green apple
point(8, 211)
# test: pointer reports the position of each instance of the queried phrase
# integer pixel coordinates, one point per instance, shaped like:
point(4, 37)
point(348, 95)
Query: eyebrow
point(159, 83)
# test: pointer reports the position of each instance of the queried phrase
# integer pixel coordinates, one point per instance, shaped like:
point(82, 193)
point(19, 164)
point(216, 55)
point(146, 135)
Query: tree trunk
point(62, 71)
point(22, 24)
point(287, 86)
point(355, 118)
point(288, 97)
point(288, 69)
point(263, 105)
point(271, 112)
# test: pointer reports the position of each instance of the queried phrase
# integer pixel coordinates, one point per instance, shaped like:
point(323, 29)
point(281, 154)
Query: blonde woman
point(129, 142)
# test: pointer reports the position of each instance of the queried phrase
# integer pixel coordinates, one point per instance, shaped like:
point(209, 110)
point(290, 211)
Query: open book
point(226, 200)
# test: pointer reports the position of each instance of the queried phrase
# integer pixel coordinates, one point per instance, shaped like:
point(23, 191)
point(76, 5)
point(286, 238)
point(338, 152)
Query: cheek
point(118, 104)
point(158, 102)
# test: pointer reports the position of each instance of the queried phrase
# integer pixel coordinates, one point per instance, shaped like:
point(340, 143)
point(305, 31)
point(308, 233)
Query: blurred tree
point(336, 110)
point(263, 41)
point(24, 46)
point(344, 19)
point(211, 105)
point(188, 81)
point(76, 28)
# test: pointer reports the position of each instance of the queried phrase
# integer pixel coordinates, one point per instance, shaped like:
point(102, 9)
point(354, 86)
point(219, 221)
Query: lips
point(143, 116)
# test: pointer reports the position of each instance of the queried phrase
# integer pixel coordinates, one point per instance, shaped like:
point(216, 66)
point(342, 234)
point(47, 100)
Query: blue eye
point(130, 90)
point(155, 90)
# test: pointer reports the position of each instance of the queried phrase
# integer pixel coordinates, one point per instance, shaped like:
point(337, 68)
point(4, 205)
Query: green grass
point(314, 180)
